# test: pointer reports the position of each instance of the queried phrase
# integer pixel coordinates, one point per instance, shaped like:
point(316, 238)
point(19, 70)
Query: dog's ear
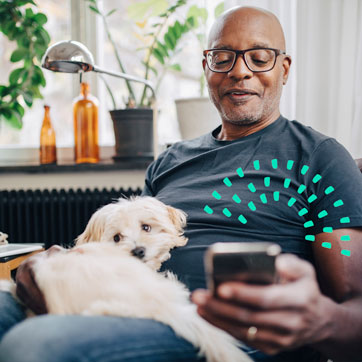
point(178, 218)
point(96, 225)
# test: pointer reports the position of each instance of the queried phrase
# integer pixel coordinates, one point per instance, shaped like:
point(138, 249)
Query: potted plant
point(21, 23)
point(160, 31)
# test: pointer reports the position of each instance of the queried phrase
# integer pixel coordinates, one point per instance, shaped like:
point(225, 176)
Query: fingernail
point(225, 292)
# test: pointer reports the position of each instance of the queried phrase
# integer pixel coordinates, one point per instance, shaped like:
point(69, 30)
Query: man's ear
point(203, 63)
point(287, 61)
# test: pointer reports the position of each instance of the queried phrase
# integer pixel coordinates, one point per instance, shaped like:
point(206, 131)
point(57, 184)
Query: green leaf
point(191, 23)
point(28, 98)
point(197, 13)
point(15, 75)
point(18, 54)
point(162, 49)
point(3, 91)
point(29, 13)
point(6, 112)
point(43, 34)
point(178, 29)
point(39, 76)
point(176, 67)
point(94, 9)
point(35, 92)
point(18, 108)
point(111, 12)
point(8, 27)
point(138, 11)
point(23, 41)
point(40, 19)
point(219, 9)
point(170, 39)
point(23, 2)
point(157, 54)
point(15, 120)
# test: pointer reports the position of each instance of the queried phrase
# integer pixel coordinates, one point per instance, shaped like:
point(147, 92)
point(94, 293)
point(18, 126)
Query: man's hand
point(27, 289)
point(287, 315)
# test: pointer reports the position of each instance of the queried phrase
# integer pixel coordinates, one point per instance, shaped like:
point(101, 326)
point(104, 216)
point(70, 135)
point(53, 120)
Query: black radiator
point(52, 216)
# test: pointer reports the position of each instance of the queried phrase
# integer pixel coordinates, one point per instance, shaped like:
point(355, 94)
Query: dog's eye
point(117, 238)
point(146, 228)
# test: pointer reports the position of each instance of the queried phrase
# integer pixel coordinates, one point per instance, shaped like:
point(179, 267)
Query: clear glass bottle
point(85, 115)
point(47, 151)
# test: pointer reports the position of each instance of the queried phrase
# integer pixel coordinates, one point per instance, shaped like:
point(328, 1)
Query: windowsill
point(26, 160)
point(103, 165)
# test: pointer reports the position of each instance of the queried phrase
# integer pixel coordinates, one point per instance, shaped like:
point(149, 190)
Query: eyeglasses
point(257, 59)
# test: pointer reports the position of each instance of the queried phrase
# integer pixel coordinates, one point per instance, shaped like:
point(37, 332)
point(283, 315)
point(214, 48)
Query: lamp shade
point(68, 56)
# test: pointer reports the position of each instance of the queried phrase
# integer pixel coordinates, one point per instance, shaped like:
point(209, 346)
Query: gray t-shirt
point(283, 184)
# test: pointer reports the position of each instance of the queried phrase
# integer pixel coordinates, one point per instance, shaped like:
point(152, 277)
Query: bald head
point(260, 20)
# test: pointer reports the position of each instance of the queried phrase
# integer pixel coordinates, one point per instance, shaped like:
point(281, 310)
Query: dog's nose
point(139, 252)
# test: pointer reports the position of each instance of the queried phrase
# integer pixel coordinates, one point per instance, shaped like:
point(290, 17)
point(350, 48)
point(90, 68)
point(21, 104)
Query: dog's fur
point(106, 274)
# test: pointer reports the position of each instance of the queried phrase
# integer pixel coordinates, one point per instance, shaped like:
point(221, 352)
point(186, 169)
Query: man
point(259, 177)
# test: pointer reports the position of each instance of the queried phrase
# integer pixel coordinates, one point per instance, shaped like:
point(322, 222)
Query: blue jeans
point(54, 338)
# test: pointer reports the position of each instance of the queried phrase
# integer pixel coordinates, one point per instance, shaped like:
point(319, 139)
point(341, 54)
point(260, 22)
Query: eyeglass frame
point(277, 52)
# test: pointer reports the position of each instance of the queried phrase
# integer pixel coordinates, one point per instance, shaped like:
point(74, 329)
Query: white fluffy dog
point(112, 271)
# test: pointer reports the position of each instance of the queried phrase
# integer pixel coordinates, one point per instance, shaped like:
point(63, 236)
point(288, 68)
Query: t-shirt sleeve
point(335, 188)
point(151, 173)
point(147, 189)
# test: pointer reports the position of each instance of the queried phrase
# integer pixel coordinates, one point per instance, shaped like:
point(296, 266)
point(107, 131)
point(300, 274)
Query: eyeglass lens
point(257, 60)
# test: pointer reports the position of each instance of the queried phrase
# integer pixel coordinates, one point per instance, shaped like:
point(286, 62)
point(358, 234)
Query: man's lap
point(96, 338)
point(55, 338)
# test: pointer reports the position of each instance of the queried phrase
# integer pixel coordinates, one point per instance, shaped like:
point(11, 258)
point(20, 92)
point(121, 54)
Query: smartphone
point(250, 262)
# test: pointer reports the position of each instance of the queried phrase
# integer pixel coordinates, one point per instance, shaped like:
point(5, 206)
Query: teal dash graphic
point(227, 182)
point(304, 169)
point(216, 195)
point(251, 187)
point(290, 164)
point(276, 196)
point(208, 210)
point(236, 198)
point(226, 212)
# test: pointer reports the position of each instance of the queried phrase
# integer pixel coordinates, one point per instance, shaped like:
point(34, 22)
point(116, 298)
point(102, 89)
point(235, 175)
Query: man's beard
point(244, 119)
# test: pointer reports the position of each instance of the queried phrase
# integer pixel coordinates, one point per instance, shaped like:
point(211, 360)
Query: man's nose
point(240, 69)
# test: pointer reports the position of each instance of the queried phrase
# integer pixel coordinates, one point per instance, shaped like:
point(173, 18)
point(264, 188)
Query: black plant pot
point(133, 132)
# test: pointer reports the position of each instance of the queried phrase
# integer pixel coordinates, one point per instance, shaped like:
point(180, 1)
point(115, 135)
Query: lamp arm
point(128, 77)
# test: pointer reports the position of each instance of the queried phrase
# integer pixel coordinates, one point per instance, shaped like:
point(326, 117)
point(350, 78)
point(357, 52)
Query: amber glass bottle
point(85, 114)
point(47, 151)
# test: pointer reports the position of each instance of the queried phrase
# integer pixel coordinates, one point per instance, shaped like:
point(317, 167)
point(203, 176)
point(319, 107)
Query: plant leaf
point(18, 108)
point(157, 54)
point(178, 29)
point(28, 98)
point(219, 9)
point(94, 9)
point(176, 67)
point(170, 39)
point(162, 49)
point(40, 18)
point(18, 54)
point(111, 12)
point(15, 120)
point(15, 75)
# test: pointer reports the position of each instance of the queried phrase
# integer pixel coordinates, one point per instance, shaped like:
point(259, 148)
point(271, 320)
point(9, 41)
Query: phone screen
point(248, 262)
